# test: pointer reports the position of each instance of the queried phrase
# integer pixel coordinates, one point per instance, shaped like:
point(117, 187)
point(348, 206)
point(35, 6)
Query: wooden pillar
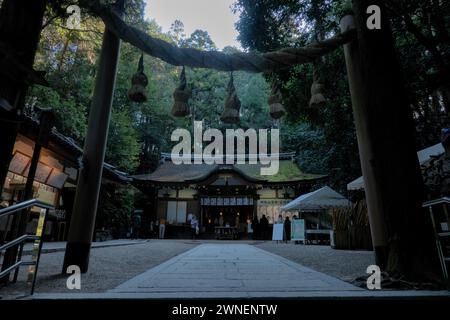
point(385, 132)
point(89, 180)
point(365, 144)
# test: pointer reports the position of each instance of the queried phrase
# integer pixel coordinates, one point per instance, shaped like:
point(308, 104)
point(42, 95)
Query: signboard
point(226, 201)
point(298, 230)
point(277, 234)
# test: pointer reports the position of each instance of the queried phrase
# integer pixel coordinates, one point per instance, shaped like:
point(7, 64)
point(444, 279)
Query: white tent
point(357, 184)
point(423, 156)
point(321, 199)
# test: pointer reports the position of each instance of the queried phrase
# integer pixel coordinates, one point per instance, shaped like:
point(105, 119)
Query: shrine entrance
point(221, 195)
point(383, 121)
point(228, 211)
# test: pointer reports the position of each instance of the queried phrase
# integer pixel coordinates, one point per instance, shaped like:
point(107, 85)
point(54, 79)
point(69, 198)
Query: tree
point(123, 147)
point(297, 23)
point(200, 39)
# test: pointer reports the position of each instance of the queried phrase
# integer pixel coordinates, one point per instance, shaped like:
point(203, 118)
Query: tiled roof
point(168, 172)
point(69, 144)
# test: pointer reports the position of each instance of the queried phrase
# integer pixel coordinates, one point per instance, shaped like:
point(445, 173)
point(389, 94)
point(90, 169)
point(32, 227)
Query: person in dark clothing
point(255, 227)
point(287, 229)
point(136, 223)
point(264, 226)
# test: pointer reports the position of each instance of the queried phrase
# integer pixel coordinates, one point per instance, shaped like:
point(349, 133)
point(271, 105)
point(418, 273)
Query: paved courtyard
point(346, 265)
point(224, 270)
point(110, 264)
point(215, 270)
point(150, 269)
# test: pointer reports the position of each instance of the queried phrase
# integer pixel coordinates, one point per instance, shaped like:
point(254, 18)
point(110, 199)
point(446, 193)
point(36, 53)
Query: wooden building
point(221, 194)
point(55, 180)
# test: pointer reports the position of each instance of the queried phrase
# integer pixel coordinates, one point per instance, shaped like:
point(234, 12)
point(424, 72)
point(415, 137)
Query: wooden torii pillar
point(84, 212)
point(401, 232)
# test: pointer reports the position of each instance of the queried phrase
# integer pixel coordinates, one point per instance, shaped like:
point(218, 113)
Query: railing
point(439, 232)
point(20, 241)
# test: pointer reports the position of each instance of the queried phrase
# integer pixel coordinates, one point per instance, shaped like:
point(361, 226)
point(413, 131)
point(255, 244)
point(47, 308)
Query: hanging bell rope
point(317, 98)
point(181, 96)
point(139, 82)
point(264, 62)
point(232, 105)
point(276, 109)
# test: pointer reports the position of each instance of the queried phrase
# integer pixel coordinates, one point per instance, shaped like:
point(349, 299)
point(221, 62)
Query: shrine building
point(230, 193)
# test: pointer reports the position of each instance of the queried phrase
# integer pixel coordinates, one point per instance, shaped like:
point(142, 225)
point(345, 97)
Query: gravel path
point(343, 264)
point(108, 267)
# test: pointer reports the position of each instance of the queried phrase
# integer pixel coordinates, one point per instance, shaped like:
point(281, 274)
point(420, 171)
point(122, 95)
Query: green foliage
point(70, 116)
point(201, 40)
point(115, 207)
point(421, 34)
point(122, 148)
point(324, 139)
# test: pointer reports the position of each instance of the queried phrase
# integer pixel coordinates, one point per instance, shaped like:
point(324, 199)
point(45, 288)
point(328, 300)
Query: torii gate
point(384, 126)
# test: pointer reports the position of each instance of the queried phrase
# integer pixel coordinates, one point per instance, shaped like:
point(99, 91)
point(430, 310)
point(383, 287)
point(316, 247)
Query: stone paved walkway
point(237, 270)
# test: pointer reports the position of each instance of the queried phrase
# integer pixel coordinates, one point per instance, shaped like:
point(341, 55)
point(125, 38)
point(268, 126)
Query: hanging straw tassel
point(317, 98)
point(276, 108)
point(232, 105)
point(181, 96)
point(139, 82)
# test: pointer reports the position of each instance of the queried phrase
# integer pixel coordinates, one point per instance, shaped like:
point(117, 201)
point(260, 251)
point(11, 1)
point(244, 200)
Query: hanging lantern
point(181, 96)
point(276, 108)
point(137, 92)
point(317, 98)
point(230, 113)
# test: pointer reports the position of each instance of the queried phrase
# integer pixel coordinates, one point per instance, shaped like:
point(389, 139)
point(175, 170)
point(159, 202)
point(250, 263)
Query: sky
point(214, 16)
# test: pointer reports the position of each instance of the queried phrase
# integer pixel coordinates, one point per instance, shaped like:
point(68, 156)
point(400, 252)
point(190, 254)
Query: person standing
point(237, 221)
point(136, 221)
point(249, 229)
point(162, 227)
point(221, 220)
point(194, 227)
point(152, 228)
point(287, 229)
point(264, 225)
point(280, 221)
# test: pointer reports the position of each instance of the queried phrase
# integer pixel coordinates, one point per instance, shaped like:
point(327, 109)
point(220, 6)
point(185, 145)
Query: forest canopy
point(323, 138)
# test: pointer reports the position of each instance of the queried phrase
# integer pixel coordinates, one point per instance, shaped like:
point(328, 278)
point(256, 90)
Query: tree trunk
point(401, 231)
